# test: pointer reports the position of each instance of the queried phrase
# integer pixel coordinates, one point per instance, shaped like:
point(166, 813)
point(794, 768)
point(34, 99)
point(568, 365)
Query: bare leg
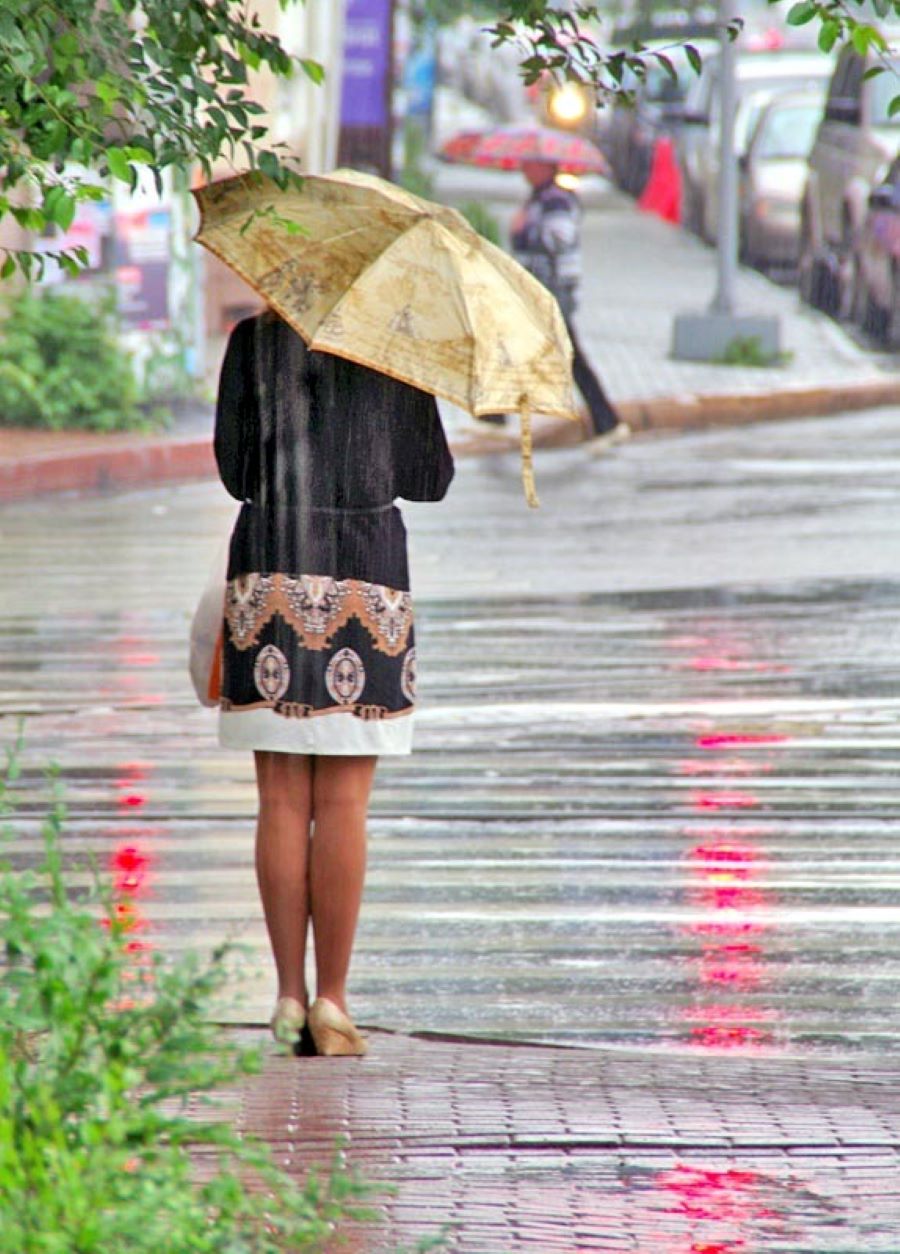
point(282, 842)
point(340, 789)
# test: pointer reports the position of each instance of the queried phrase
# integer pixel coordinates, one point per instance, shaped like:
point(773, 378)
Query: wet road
point(655, 796)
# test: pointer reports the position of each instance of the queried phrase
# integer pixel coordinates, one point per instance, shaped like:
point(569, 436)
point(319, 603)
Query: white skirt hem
point(333, 734)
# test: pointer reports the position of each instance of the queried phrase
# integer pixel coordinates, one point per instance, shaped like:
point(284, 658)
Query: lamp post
point(707, 336)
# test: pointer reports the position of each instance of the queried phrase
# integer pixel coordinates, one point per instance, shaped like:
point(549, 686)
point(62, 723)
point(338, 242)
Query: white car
point(773, 177)
point(759, 76)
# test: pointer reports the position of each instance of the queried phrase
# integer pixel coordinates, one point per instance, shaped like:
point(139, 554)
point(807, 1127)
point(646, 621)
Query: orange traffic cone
point(662, 195)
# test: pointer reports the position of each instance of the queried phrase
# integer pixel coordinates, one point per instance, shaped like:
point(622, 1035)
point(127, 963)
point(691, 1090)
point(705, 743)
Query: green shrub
point(61, 367)
point(95, 1069)
point(747, 350)
point(483, 221)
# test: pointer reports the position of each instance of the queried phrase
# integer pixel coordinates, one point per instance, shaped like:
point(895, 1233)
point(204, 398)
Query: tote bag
point(205, 660)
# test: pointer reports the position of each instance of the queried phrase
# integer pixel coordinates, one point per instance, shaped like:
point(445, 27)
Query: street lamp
point(707, 336)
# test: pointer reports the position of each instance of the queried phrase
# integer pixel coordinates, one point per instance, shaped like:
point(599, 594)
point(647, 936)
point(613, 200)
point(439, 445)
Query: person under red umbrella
point(546, 239)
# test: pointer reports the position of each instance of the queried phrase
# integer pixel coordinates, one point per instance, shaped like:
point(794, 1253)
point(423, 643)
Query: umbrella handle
point(531, 495)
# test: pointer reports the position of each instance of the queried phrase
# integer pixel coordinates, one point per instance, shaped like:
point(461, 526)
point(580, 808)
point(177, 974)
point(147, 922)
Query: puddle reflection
point(723, 1210)
point(130, 865)
point(727, 871)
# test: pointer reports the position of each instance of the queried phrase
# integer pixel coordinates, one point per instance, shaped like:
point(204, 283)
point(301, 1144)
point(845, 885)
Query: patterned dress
point(319, 646)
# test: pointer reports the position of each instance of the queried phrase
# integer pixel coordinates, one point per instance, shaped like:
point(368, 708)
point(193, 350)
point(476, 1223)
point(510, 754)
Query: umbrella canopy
point(508, 146)
point(397, 283)
point(461, 145)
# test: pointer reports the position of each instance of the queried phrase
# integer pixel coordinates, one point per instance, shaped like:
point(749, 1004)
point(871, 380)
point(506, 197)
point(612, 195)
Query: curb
point(102, 469)
point(693, 412)
point(147, 463)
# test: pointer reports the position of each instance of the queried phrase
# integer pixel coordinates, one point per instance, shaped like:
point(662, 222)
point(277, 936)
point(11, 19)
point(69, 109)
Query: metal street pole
point(710, 336)
point(727, 260)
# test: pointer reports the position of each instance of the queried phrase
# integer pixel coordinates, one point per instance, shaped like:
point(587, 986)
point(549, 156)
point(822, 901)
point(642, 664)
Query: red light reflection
point(130, 867)
point(132, 801)
point(719, 766)
point(726, 868)
point(128, 774)
point(130, 871)
point(713, 662)
point(717, 1210)
point(710, 1193)
point(731, 740)
point(726, 799)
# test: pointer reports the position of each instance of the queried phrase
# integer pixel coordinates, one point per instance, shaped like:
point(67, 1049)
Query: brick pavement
point(503, 1148)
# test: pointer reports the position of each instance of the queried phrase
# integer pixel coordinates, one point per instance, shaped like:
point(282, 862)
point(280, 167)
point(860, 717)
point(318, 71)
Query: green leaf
point(313, 70)
point(118, 165)
point(861, 37)
point(29, 219)
point(65, 212)
point(107, 91)
point(59, 207)
point(894, 107)
point(248, 56)
point(799, 14)
point(8, 269)
point(67, 45)
point(667, 65)
point(269, 164)
point(694, 59)
point(828, 35)
point(69, 263)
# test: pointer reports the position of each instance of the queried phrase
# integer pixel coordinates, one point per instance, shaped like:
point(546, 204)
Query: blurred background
point(819, 180)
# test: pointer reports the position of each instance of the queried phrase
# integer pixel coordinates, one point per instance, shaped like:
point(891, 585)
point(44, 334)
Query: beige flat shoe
point(333, 1033)
point(287, 1021)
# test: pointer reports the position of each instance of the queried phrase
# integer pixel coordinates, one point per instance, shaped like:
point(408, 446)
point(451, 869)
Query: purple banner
point(367, 59)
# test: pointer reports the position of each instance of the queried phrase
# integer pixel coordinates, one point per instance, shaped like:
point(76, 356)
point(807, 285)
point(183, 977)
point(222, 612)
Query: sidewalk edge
point(156, 462)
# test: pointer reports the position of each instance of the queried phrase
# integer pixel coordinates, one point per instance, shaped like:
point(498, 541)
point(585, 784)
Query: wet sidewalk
point(501, 1149)
point(639, 273)
point(652, 813)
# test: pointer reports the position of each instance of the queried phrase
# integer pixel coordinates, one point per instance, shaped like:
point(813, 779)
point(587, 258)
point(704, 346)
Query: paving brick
point(551, 1189)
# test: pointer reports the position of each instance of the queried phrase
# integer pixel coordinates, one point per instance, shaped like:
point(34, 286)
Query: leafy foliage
point(557, 42)
point(838, 23)
point(113, 85)
point(61, 366)
point(96, 1066)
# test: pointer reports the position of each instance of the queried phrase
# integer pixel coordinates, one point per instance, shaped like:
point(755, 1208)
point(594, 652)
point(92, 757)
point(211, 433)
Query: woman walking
point(318, 675)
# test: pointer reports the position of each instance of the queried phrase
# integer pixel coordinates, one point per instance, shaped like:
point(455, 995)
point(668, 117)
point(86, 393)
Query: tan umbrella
point(400, 284)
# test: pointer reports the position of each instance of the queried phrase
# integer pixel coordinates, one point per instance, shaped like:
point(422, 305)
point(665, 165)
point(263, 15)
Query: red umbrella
point(459, 147)
point(507, 147)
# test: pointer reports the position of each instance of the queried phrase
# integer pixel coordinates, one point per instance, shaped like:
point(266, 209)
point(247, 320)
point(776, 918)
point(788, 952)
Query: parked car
point(856, 142)
point(878, 297)
point(773, 177)
point(759, 76)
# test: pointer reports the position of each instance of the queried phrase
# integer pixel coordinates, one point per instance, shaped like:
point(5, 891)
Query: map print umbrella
point(400, 284)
